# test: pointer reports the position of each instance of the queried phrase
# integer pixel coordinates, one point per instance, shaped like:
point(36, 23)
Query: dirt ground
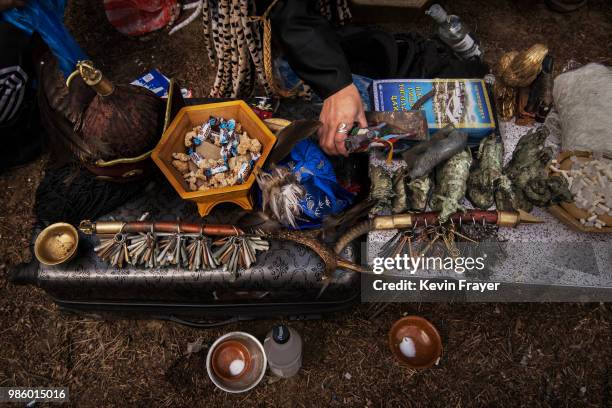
point(494, 354)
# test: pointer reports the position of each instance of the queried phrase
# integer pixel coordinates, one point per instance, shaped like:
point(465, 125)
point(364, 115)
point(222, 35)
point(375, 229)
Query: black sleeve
point(311, 46)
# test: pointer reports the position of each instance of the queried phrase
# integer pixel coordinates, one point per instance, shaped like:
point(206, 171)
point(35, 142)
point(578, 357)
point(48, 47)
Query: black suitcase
point(285, 281)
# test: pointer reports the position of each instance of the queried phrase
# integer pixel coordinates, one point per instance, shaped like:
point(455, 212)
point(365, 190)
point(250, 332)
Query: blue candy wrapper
point(225, 134)
point(226, 152)
point(216, 170)
point(203, 132)
point(234, 145)
point(243, 172)
point(254, 158)
point(195, 157)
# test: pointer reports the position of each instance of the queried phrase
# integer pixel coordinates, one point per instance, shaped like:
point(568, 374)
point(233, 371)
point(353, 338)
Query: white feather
point(281, 195)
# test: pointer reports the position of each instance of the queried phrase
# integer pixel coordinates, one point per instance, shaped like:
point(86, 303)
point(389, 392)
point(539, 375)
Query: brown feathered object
point(93, 119)
point(61, 108)
point(121, 120)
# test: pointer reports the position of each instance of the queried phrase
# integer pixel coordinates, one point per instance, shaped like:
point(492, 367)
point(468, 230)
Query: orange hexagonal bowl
point(172, 141)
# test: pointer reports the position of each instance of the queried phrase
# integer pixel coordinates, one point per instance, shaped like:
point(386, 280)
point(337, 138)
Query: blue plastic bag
point(324, 196)
point(46, 17)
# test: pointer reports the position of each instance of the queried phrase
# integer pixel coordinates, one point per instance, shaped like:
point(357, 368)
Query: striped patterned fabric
point(13, 82)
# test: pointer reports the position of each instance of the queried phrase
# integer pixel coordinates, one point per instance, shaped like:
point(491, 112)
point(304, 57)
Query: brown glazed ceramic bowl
point(231, 347)
point(421, 340)
point(227, 352)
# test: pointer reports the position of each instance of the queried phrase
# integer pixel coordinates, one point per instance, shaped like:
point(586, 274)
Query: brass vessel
point(56, 244)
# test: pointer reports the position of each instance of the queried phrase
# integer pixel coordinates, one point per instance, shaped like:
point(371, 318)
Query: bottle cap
point(280, 334)
point(437, 13)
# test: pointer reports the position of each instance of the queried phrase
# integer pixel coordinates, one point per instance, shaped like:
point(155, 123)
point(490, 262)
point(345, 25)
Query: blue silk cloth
point(46, 17)
point(324, 196)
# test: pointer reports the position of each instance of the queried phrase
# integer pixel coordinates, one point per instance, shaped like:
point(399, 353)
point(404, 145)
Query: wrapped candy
point(203, 134)
point(205, 166)
point(254, 158)
point(243, 172)
point(226, 152)
point(216, 170)
point(197, 159)
point(224, 137)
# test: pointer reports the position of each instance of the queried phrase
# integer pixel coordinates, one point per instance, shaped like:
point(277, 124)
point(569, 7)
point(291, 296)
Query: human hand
point(344, 106)
point(9, 4)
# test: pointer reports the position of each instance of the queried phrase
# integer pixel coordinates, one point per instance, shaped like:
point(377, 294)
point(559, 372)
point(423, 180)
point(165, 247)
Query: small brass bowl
point(56, 244)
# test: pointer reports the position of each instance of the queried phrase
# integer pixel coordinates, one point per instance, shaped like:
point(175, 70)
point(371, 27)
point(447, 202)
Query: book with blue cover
point(464, 103)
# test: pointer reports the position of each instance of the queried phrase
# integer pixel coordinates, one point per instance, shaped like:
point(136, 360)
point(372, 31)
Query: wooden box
point(172, 141)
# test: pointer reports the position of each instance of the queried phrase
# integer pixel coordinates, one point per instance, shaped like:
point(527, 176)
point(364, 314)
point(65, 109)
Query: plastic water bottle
point(283, 348)
point(454, 33)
